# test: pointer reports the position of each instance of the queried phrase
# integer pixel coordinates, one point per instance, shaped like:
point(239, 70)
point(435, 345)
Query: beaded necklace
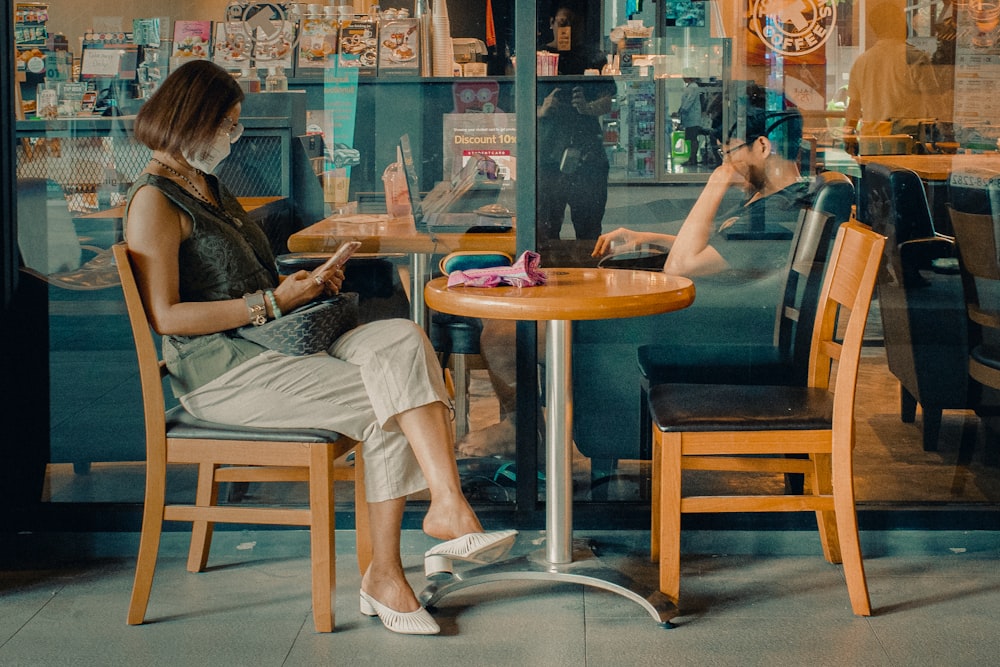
point(198, 192)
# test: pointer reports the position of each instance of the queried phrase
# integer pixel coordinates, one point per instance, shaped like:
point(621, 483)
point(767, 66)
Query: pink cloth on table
point(522, 273)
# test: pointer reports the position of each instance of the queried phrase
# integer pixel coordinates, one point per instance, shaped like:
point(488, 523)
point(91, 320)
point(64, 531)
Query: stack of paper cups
point(444, 49)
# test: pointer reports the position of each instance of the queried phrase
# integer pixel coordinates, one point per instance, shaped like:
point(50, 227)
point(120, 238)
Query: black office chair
point(920, 299)
point(975, 217)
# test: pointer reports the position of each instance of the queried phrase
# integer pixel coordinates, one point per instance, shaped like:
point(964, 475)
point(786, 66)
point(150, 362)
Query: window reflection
point(638, 157)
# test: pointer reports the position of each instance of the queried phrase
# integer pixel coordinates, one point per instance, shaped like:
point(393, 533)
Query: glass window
point(653, 118)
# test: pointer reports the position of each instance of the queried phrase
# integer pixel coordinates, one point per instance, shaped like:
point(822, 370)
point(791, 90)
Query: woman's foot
point(417, 622)
point(450, 517)
point(390, 588)
point(479, 548)
point(495, 440)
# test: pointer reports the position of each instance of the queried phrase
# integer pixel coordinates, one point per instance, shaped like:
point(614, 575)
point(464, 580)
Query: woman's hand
point(605, 242)
point(727, 176)
point(302, 287)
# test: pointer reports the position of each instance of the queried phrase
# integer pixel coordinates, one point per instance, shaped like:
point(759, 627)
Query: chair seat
point(455, 334)
point(706, 407)
point(723, 364)
point(182, 424)
point(988, 356)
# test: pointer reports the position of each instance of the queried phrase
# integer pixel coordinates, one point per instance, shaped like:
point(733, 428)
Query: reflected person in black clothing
point(572, 164)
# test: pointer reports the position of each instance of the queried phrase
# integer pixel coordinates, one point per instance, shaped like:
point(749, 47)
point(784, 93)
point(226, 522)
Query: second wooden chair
point(748, 428)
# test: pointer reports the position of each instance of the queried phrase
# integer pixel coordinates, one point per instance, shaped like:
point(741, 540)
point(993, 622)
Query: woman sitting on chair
point(204, 269)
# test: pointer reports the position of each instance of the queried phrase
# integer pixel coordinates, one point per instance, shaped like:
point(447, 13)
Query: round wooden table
point(569, 294)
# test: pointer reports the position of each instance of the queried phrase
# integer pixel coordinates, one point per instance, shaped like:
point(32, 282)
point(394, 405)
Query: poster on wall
point(480, 136)
point(192, 40)
point(232, 47)
point(977, 77)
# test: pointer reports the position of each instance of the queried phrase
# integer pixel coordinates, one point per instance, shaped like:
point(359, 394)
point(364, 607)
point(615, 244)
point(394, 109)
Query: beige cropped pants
point(371, 374)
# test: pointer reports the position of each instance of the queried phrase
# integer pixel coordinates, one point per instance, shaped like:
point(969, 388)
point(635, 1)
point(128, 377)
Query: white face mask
point(210, 159)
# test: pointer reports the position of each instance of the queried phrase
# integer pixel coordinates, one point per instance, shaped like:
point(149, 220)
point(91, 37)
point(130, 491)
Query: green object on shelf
point(680, 148)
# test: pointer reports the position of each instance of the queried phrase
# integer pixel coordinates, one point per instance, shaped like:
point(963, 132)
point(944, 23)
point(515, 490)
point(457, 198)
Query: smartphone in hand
point(337, 260)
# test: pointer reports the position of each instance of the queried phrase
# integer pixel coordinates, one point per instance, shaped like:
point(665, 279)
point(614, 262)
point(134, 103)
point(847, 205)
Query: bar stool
point(456, 338)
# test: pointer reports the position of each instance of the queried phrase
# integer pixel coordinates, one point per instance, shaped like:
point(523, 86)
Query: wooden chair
point(978, 243)
point(785, 358)
point(736, 427)
point(226, 453)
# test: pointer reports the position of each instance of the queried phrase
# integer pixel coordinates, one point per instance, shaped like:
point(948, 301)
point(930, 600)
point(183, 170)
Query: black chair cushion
point(987, 355)
point(455, 334)
point(182, 424)
point(707, 407)
point(716, 364)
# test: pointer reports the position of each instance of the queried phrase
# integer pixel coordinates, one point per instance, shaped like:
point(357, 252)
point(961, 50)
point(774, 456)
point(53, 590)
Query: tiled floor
point(747, 599)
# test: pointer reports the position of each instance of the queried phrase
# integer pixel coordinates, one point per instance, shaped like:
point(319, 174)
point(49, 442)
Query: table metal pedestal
point(562, 560)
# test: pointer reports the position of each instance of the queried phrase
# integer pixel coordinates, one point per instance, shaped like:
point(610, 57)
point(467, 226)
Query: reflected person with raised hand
point(761, 159)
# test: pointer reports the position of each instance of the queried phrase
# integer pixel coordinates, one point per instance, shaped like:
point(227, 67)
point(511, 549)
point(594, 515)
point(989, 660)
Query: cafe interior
point(416, 127)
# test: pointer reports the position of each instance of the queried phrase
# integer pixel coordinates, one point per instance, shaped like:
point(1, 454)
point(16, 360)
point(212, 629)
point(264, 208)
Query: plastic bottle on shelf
point(276, 81)
point(253, 80)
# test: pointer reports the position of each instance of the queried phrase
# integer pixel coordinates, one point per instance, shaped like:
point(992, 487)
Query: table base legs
point(585, 569)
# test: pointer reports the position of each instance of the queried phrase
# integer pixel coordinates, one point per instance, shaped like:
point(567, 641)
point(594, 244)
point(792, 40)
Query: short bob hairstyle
point(185, 112)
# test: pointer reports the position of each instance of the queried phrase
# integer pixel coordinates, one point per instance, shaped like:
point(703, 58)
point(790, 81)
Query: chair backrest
point(151, 370)
point(977, 234)
point(975, 217)
point(849, 284)
point(974, 190)
point(920, 294)
point(833, 198)
point(894, 203)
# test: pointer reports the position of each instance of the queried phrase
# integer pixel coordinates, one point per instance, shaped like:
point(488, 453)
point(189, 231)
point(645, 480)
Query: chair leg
point(654, 529)
point(321, 536)
point(362, 530)
point(645, 443)
point(460, 375)
point(149, 546)
point(907, 406)
point(670, 515)
point(206, 495)
point(826, 521)
point(850, 540)
point(932, 428)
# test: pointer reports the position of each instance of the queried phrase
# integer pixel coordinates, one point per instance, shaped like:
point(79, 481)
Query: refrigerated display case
point(631, 131)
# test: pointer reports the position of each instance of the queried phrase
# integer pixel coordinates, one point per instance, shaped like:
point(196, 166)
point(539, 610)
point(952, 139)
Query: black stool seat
point(182, 424)
point(454, 334)
point(701, 407)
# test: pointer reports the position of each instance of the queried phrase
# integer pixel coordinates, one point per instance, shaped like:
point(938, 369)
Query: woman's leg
point(385, 580)
point(428, 429)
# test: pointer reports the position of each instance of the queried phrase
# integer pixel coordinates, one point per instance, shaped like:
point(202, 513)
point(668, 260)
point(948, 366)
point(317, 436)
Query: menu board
point(358, 46)
point(399, 47)
point(977, 76)
point(317, 42)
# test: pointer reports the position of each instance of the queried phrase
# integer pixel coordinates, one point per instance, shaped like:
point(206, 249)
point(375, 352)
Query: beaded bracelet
point(256, 308)
point(274, 304)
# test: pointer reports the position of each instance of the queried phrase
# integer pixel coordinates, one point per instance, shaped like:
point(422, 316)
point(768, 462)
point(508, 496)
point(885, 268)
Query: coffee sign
point(793, 27)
